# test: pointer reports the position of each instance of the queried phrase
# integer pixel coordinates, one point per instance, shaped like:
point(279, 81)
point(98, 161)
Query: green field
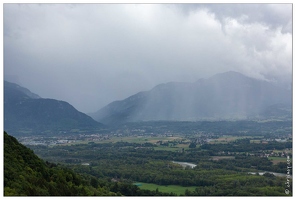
point(228, 138)
point(178, 147)
point(276, 160)
point(164, 148)
point(179, 190)
point(139, 139)
point(280, 151)
point(255, 141)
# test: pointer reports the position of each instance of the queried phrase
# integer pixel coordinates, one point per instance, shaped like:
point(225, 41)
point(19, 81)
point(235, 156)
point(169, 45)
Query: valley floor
point(222, 164)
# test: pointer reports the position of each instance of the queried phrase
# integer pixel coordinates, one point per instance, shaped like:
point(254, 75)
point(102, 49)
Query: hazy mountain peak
point(229, 95)
point(27, 112)
point(23, 90)
point(230, 75)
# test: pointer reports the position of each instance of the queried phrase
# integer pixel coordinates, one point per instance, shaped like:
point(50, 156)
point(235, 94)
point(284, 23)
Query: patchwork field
point(276, 160)
point(140, 139)
point(228, 138)
point(179, 190)
point(255, 141)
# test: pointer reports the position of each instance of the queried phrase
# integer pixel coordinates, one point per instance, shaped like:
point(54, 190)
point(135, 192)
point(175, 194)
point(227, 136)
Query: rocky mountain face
point(25, 111)
point(229, 96)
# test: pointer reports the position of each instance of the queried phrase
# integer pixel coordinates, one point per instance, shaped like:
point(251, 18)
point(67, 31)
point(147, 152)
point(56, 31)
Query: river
point(185, 164)
point(274, 173)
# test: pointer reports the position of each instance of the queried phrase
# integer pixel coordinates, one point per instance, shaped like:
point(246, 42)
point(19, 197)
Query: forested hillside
point(25, 174)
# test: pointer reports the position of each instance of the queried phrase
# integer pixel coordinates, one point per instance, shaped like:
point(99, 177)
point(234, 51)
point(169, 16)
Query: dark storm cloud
point(92, 54)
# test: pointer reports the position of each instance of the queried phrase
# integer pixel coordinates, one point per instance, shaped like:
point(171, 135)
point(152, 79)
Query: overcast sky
point(92, 54)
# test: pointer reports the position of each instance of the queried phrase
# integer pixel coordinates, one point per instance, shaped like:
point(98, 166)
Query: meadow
point(179, 190)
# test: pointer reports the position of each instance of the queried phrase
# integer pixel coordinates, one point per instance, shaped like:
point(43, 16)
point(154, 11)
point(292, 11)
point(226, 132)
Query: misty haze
point(147, 99)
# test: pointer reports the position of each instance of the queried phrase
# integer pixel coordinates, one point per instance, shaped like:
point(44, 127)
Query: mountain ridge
point(228, 95)
point(26, 111)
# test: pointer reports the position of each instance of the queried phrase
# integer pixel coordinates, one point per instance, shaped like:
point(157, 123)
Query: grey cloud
point(92, 54)
point(272, 15)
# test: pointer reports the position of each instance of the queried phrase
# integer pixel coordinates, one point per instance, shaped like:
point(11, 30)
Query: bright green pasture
point(162, 188)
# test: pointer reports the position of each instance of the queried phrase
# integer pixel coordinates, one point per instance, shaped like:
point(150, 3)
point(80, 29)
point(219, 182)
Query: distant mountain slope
point(229, 95)
point(279, 110)
point(25, 111)
point(16, 90)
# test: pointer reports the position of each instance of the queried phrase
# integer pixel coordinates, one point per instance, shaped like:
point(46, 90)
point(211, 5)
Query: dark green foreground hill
point(27, 175)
